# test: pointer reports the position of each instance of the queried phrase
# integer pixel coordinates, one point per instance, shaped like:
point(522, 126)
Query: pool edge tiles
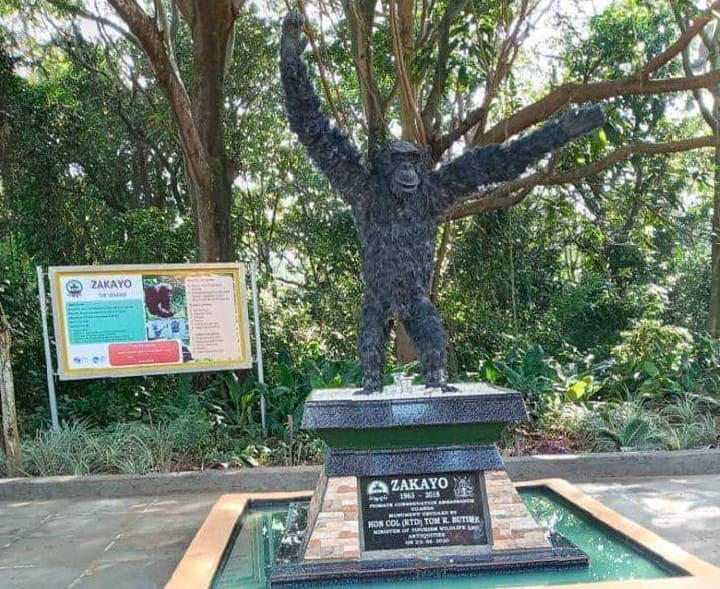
point(203, 558)
point(201, 561)
point(638, 535)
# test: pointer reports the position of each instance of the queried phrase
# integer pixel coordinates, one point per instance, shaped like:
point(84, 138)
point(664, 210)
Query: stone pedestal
point(413, 483)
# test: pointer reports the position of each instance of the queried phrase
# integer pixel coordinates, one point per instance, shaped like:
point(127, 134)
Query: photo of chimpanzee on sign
point(397, 204)
point(165, 311)
point(158, 298)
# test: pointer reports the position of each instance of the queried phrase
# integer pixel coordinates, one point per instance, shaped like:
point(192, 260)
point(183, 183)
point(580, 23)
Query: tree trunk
point(714, 314)
point(213, 200)
point(404, 349)
point(199, 116)
point(10, 435)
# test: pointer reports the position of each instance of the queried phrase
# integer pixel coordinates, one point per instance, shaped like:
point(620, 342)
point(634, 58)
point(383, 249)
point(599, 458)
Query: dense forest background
point(592, 285)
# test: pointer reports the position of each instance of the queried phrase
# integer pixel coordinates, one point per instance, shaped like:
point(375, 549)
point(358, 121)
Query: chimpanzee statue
point(397, 204)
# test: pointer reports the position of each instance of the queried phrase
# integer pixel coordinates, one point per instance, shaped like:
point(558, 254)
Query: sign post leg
point(258, 344)
point(48, 355)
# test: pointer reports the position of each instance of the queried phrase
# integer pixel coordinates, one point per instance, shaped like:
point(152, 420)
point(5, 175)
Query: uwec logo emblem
point(463, 487)
point(378, 492)
point(74, 288)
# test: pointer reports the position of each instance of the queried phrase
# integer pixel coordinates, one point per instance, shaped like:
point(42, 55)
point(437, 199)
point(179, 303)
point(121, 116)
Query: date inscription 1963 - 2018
point(422, 511)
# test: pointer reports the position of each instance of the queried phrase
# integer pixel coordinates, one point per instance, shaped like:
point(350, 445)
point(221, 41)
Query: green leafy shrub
point(628, 426)
point(578, 423)
point(589, 314)
point(690, 287)
point(643, 398)
point(546, 384)
point(132, 448)
point(700, 368)
point(687, 421)
point(653, 347)
point(650, 355)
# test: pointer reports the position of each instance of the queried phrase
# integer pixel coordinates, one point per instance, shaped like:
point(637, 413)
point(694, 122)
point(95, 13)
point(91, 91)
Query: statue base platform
point(413, 484)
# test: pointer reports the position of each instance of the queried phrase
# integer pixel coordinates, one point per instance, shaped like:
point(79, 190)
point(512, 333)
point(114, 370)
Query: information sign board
point(149, 319)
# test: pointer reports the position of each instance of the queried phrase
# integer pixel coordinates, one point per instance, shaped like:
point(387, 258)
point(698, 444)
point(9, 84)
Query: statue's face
point(401, 162)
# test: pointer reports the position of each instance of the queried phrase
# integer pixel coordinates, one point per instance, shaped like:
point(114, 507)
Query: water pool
point(257, 536)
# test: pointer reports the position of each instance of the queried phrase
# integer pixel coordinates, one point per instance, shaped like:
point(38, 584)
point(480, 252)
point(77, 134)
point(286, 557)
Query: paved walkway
point(130, 543)
point(135, 543)
point(683, 510)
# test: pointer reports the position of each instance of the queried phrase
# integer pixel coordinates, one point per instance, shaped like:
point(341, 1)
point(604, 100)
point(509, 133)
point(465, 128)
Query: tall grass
point(685, 421)
point(125, 448)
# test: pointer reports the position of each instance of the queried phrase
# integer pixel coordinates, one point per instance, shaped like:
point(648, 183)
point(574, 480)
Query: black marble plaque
point(422, 511)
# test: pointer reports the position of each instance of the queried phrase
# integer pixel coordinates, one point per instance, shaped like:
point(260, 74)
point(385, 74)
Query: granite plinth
point(475, 414)
point(472, 403)
point(337, 534)
point(400, 461)
point(413, 485)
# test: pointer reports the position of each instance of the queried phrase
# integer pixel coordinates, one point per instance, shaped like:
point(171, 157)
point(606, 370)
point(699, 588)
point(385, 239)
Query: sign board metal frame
point(65, 372)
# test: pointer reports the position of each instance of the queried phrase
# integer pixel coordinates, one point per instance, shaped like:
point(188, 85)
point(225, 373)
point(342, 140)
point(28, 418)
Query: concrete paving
point(135, 543)
point(129, 543)
point(683, 510)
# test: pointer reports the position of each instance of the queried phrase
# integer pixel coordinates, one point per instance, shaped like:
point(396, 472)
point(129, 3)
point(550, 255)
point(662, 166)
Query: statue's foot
point(437, 379)
point(445, 388)
point(366, 392)
point(371, 384)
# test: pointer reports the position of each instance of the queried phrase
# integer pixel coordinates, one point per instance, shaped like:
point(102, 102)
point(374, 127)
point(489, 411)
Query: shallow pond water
point(612, 558)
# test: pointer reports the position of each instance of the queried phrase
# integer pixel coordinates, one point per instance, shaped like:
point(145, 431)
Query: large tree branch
point(512, 193)
point(440, 256)
point(573, 93)
point(187, 9)
point(497, 72)
point(152, 42)
point(687, 68)
point(401, 16)
point(636, 84)
point(503, 64)
point(473, 118)
point(360, 15)
point(329, 99)
point(509, 49)
point(164, 26)
point(9, 435)
point(136, 131)
point(683, 41)
point(431, 112)
point(80, 11)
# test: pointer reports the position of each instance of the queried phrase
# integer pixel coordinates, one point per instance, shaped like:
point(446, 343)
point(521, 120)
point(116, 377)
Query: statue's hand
point(291, 42)
point(579, 122)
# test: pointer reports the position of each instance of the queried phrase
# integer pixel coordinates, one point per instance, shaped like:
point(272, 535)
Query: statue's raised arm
point(327, 146)
point(500, 163)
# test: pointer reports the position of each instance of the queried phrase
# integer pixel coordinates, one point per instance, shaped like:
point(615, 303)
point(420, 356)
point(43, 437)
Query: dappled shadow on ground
point(683, 510)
